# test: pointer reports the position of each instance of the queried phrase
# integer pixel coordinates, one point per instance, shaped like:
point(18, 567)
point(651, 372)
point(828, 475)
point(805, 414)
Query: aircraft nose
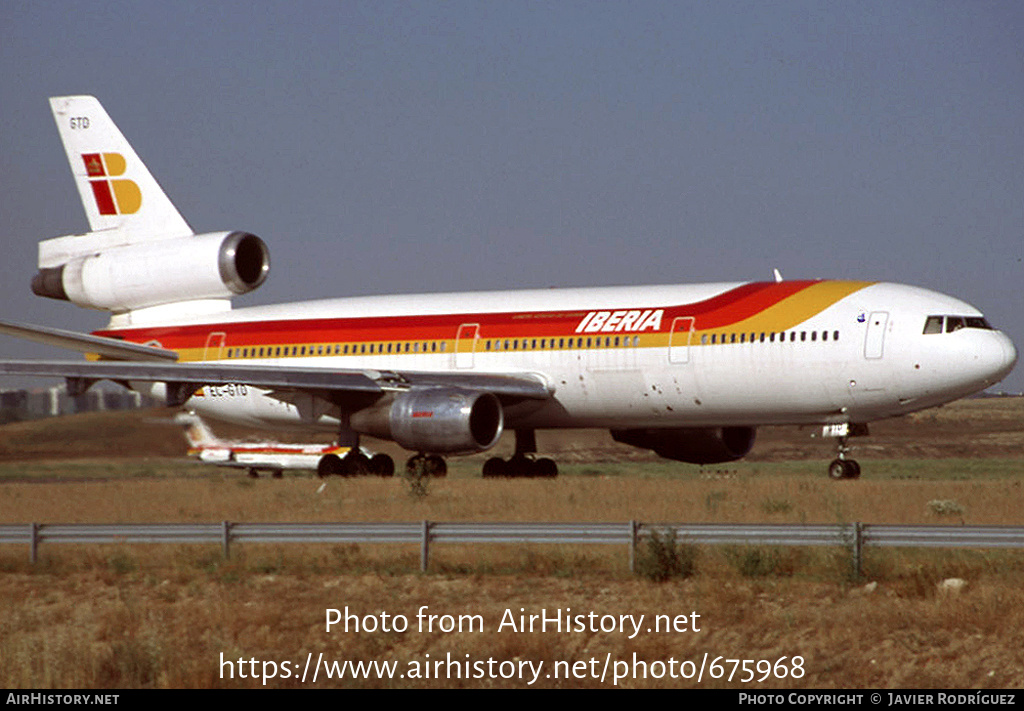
point(985, 358)
point(1009, 357)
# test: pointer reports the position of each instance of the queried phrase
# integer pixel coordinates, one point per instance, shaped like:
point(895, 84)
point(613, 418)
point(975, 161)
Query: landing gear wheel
point(843, 469)
point(520, 466)
point(382, 465)
point(355, 464)
point(545, 468)
point(837, 469)
point(329, 465)
point(495, 467)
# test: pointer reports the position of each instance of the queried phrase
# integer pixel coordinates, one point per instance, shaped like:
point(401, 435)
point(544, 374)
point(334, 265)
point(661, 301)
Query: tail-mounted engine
point(122, 278)
point(696, 445)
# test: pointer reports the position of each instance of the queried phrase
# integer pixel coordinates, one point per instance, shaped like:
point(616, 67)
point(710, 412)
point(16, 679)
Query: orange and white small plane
point(688, 371)
point(272, 457)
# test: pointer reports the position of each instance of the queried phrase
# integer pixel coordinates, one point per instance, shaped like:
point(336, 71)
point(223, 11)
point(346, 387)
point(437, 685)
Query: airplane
point(273, 457)
point(688, 371)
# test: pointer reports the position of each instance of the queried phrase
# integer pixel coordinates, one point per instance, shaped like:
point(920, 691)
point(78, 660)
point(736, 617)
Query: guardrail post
point(632, 545)
point(33, 544)
point(425, 546)
point(225, 538)
point(858, 549)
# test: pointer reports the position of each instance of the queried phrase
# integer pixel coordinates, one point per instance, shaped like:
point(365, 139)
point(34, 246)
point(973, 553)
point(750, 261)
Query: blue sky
point(388, 147)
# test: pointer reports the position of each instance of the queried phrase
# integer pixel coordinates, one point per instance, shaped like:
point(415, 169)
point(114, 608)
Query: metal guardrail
point(854, 536)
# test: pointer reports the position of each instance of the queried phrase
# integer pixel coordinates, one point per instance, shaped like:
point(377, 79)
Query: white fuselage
point(828, 352)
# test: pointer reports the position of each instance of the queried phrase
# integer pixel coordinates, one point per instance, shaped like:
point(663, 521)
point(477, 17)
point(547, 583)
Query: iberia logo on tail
point(113, 197)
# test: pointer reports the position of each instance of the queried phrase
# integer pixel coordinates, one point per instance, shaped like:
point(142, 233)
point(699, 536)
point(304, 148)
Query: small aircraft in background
point(275, 457)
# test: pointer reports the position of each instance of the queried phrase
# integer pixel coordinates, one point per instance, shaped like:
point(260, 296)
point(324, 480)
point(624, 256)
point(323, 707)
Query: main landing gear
point(355, 463)
point(524, 463)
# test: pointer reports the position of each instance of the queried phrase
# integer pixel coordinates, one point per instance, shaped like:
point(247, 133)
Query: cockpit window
point(934, 324)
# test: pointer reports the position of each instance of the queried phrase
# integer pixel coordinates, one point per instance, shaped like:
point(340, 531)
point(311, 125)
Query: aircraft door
point(679, 339)
point(214, 349)
point(874, 339)
point(465, 344)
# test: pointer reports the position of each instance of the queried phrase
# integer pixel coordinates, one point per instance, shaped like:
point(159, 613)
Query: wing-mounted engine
point(696, 445)
point(436, 420)
point(123, 277)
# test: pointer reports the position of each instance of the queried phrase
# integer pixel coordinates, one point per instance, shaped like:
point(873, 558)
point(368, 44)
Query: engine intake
point(696, 445)
point(134, 276)
point(435, 420)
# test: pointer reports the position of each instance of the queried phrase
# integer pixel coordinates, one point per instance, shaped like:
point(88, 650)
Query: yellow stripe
point(799, 307)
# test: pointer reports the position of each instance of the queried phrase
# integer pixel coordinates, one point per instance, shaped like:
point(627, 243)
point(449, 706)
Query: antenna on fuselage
point(778, 276)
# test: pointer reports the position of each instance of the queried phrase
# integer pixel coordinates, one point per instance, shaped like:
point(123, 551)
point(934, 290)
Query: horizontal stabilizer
point(85, 343)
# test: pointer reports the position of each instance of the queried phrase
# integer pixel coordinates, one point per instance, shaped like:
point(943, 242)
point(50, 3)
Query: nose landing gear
point(841, 467)
point(844, 469)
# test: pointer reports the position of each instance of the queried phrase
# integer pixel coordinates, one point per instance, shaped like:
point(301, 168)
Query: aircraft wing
point(342, 387)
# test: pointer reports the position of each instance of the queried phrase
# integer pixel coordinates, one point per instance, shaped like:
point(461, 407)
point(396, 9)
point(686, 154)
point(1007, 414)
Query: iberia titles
point(616, 321)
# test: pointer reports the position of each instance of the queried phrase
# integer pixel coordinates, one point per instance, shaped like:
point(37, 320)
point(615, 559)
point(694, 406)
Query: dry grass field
point(167, 616)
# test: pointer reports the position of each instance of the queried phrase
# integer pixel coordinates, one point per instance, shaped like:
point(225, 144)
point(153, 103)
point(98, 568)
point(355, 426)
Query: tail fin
point(117, 191)
point(140, 260)
point(197, 432)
